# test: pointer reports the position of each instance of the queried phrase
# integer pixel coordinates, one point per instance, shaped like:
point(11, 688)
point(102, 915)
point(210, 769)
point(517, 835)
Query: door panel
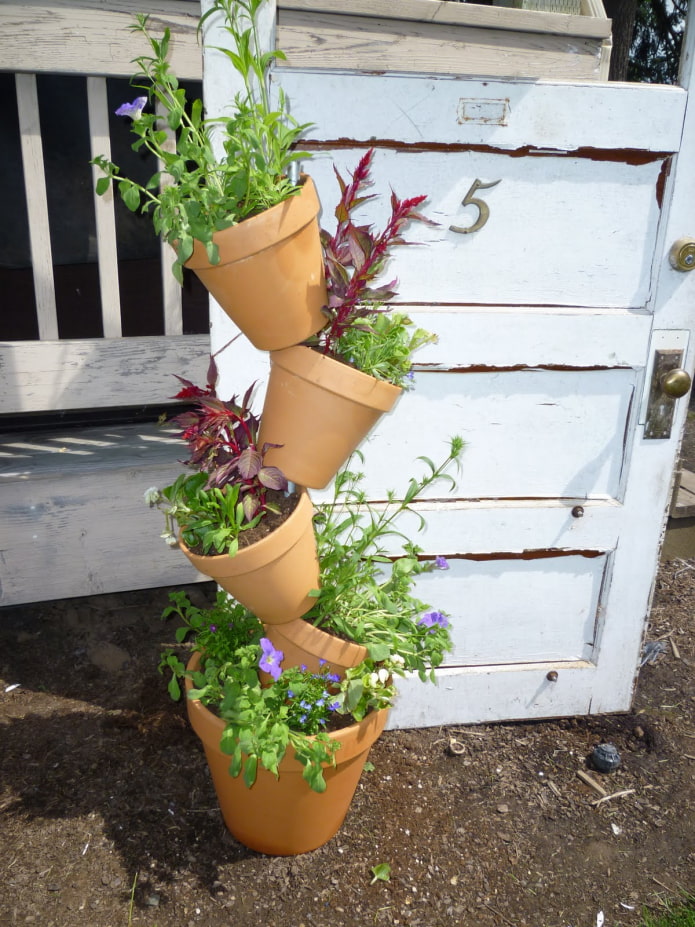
point(562, 230)
point(523, 609)
point(528, 432)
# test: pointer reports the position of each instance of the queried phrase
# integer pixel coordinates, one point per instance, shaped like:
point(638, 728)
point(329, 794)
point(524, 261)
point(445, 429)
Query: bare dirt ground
point(104, 792)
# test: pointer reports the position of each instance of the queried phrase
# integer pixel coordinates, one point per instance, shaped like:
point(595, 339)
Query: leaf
point(250, 462)
point(381, 873)
point(249, 506)
point(103, 184)
point(174, 689)
point(378, 652)
point(272, 478)
point(250, 770)
point(130, 196)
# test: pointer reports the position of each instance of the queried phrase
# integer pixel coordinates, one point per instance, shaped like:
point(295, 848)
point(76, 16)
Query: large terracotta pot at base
point(270, 278)
point(283, 817)
point(302, 643)
point(319, 410)
point(274, 576)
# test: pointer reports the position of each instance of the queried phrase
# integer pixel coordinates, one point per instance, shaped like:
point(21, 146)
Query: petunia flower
point(134, 109)
point(271, 659)
point(433, 620)
point(441, 563)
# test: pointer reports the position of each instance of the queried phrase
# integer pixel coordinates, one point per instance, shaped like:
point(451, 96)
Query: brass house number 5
point(470, 199)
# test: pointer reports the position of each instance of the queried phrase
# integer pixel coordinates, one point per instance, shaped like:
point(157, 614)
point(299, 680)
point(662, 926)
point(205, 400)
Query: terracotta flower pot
point(302, 643)
point(319, 410)
point(274, 576)
point(270, 279)
point(284, 816)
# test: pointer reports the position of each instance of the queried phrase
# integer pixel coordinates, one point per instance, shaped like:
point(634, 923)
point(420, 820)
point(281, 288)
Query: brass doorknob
point(682, 254)
point(676, 383)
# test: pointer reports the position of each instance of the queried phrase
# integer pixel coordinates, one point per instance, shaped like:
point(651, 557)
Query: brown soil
point(105, 790)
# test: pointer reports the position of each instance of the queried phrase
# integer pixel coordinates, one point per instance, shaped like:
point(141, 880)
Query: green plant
point(359, 331)
point(366, 593)
point(196, 194)
point(229, 492)
point(263, 720)
point(381, 873)
point(677, 915)
point(370, 600)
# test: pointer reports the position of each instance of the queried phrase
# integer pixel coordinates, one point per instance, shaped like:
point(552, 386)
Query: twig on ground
point(599, 801)
point(590, 781)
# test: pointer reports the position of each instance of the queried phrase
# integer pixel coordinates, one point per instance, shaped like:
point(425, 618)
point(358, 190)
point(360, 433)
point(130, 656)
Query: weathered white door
point(549, 316)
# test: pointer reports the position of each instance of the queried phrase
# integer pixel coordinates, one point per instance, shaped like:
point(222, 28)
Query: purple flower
point(333, 677)
point(271, 659)
point(213, 628)
point(433, 620)
point(334, 706)
point(441, 563)
point(322, 662)
point(134, 109)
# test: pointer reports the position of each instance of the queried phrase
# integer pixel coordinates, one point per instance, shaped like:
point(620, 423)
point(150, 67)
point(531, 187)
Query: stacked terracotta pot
point(270, 281)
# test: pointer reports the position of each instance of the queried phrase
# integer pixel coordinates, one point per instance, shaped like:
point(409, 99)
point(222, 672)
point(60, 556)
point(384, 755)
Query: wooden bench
point(73, 517)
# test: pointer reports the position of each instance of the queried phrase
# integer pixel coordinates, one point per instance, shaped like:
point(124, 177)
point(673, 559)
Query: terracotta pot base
point(283, 816)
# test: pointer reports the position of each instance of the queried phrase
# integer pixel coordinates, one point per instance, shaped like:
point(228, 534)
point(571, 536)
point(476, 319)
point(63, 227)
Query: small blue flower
point(134, 109)
point(441, 563)
point(333, 677)
point(322, 662)
point(213, 628)
point(290, 693)
point(305, 705)
point(334, 706)
point(302, 720)
point(320, 702)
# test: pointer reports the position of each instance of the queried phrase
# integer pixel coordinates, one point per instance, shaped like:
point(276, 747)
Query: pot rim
point(336, 377)
point(262, 552)
point(209, 728)
point(257, 233)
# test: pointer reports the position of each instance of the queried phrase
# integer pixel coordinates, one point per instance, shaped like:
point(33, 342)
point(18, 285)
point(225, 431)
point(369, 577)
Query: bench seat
point(74, 518)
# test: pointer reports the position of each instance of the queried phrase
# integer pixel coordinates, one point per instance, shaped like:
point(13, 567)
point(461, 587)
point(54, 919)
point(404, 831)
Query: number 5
point(483, 209)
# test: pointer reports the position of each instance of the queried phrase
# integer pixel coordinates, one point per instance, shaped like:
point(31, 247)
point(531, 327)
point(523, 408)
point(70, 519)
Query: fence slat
point(37, 205)
point(171, 291)
point(107, 255)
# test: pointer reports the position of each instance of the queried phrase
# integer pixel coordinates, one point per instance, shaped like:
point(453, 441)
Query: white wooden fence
point(54, 374)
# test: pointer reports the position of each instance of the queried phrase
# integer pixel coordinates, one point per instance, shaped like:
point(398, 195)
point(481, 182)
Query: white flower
point(383, 675)
point(151, 496)
point(170, 539)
